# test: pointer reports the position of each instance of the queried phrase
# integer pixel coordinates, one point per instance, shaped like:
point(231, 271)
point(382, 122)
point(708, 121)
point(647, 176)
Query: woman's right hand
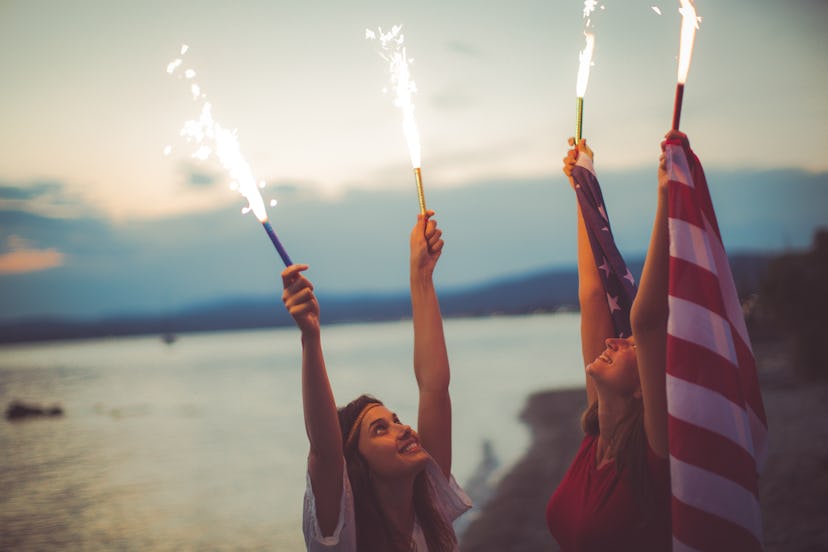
point(572, 155)
point(299, 299)
point(672, 136)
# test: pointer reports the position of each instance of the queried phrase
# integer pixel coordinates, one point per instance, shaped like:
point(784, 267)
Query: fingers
point(676, 136)
point(297, 298)
point(291, 273)
point(298, 289)
point(433, 236)
point(569, 161)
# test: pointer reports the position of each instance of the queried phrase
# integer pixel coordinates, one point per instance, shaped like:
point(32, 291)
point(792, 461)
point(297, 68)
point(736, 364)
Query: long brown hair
point(629, 449)
point(374, 532)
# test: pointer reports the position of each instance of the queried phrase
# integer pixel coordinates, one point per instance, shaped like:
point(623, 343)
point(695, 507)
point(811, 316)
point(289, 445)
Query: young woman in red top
point(616, 493)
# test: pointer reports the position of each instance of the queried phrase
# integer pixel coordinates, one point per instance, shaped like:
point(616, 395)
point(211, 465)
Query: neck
point(610, 413)
point(396, 501)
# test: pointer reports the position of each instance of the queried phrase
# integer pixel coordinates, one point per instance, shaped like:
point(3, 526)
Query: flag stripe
point(730, 461)
point(695, 284)
point(718, 414)
point(695, 529)
point(716, 495)
point(678, 167)
point(699, 325)
point(681, 205)
point(720, 376)
point(730, 299)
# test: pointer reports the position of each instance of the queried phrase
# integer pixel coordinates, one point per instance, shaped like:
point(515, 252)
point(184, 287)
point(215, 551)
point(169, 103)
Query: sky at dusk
point(95, 219)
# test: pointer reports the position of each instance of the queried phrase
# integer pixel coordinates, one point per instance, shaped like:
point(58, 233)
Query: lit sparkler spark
point(689, 24)
point(392, 50)
point(211, 139)
point(656, 9)
point(585, 59)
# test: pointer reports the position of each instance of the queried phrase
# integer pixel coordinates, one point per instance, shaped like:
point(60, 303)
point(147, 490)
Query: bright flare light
point(393, 51)
point(689, 24)
point(211, 139)
point(585, 58)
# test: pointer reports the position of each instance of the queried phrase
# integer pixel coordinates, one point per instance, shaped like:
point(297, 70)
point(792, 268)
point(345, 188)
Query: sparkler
point(212, 139)
point(393, 51)
point(689, 24)
point(585, 62)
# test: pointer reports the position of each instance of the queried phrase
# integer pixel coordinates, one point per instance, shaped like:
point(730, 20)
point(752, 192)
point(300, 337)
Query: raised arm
point(649, 316)
point(596, 322)
point(431, 365)
point(325, 459)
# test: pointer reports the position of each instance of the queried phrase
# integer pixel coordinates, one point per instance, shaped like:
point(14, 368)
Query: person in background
point(373, 482)
point(616, 493)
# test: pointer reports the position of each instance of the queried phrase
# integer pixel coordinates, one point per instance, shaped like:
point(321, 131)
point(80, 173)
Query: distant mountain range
point(544, 291)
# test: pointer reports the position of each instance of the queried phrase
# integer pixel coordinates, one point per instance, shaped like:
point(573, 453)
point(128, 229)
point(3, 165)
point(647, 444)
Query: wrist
point(311, 335)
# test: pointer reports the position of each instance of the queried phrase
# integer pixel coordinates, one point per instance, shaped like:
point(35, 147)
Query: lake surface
point(201, 444)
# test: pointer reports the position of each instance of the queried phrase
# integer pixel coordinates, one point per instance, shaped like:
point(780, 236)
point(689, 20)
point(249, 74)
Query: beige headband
point(358, 423)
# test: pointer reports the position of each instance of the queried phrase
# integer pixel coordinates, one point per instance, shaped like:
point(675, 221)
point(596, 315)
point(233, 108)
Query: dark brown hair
point(374, 532)
point(629, 449)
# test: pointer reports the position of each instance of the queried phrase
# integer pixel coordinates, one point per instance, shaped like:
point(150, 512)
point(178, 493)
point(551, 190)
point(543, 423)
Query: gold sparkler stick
point(420, 195)
point(579, 119)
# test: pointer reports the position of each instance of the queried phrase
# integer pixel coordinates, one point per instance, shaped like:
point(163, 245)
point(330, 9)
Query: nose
point(616, 343)
point(405, 431)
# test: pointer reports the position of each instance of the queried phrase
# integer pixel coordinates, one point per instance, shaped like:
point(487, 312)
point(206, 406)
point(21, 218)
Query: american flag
point(618, 281)
point(716, 423)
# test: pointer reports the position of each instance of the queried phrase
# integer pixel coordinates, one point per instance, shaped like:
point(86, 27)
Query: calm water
point(201, 444)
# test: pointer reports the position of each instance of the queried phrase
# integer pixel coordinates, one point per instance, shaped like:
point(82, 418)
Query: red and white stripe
point(717, 425)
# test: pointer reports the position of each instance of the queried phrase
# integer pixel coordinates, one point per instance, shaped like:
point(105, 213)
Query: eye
point(379, 429)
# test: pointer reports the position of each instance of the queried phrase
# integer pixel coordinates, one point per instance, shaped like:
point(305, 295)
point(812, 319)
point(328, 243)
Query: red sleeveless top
point(595, 509)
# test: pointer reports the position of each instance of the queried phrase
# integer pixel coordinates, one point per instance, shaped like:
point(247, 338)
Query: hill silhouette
point(544, 291)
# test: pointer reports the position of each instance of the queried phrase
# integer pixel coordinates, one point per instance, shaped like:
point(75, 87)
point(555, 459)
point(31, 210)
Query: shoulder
point(449, 496)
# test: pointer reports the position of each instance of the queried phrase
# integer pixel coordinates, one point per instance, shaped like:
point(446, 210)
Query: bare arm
point(596, 321)
point(649, 319)
point(431, 364)
point(325, 459)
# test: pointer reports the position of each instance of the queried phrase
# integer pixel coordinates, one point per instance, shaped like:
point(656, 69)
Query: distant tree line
point(793, 304)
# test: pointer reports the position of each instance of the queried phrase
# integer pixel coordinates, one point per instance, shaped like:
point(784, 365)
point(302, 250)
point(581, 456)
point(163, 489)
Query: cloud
point(201, 179)
point(32, 260)
point(464, 48)
point(21, 257)
point(198, 176)
point(31, 191)
point(46, 197)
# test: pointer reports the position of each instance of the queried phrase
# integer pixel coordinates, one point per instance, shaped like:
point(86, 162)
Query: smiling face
point(616, 368)
point(390, 448)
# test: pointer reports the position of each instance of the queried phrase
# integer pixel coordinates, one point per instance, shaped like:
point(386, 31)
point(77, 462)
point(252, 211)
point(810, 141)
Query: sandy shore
point(793, 486)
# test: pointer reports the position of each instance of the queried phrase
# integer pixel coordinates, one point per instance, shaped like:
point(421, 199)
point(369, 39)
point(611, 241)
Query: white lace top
point(451, 501)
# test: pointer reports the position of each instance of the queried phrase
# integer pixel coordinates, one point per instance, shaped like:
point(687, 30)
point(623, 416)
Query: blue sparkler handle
point(275, 239)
